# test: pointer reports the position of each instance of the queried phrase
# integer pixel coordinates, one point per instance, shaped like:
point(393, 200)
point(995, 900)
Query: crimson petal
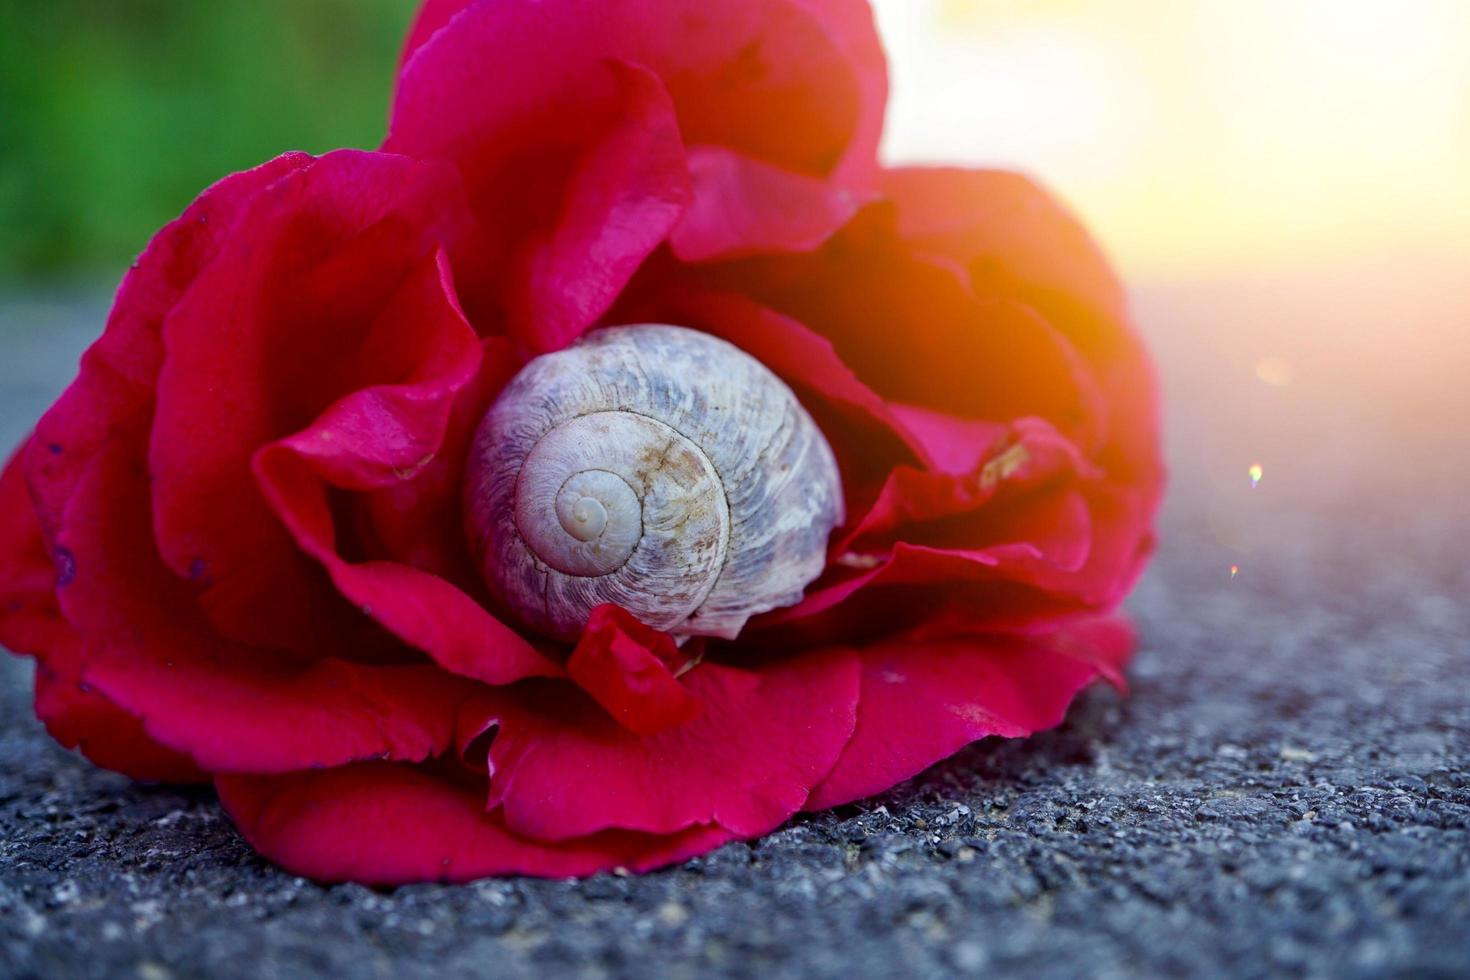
point(796, 83)
point(626, 667)
point(562, 768)
point(30, 622)
point(575, 173)
point(1018, 459)
point(1077, 552)
point(1016, 240)
point(923, 700)
point(269, 333)
point(743, 206)
point(229, 708)
point(80, 717)
point(379, 437)
point(913, 330)
point(27, 576)
point(119, 371)
point(781, 102)
point(386, 824)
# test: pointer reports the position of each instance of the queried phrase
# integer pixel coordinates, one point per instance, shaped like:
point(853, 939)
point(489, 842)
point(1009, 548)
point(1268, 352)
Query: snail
point(655, 467)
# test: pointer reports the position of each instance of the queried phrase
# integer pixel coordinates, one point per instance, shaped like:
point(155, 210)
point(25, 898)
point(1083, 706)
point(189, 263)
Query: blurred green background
point(114, 114)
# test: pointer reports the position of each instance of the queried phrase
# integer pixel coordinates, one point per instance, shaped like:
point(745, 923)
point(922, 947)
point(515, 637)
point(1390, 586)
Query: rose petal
point(79, 717)
point(742, 206)
point(850, 23)
point(30, 622)
point(575, 173)
point(1016, 240)
point(384, 824)
point(119, 371)
point(272, 331)
point(912, 329)
point(1025, 517)
point(563, 768)
point(619, 201)
point(1020, 458)
point(949, 443)
point(625, 667)
point(383, 435)
point(418, 521)
point(27, 575)
point(229, 708)
point(776, 94)
point(418, 607)
point(923, 700)
point(422, 353)
point(776, 80)
point(1072, 552)
point(240, 711)
point(1010, 234)
point(431, 16)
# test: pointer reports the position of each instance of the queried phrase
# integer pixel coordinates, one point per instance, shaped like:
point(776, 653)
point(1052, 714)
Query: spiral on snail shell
point(655, 467)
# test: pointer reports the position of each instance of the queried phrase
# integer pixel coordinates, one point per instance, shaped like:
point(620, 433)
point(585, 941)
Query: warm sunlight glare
point(1205, 135)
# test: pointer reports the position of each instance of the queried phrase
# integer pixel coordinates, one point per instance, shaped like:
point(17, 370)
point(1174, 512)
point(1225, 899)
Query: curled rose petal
point(575, 174)
point(1016, 240)
point(579, 171)
point(28, 612)
point(76, 715)
point(562, 768)
point(743, 206)
point(1017, 460)
point(383, 824)
point(228, 707)
point(381, 436)
point(269, 333)
point(777, 80)
point(1079, 554)
point(627, 668)
point(950, 444)
point(118, 372)
point(924, 700)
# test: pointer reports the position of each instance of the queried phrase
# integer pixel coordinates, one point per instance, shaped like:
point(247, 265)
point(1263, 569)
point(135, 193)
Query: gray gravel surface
point(1286, 790)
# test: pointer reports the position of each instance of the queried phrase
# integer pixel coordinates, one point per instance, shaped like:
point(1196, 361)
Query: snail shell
point(657, 468)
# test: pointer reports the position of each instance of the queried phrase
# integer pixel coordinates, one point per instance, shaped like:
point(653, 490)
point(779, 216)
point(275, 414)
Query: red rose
point(236, 544)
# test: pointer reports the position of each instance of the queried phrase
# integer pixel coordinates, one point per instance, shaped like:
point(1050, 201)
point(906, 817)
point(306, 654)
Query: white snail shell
point(657, 468)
